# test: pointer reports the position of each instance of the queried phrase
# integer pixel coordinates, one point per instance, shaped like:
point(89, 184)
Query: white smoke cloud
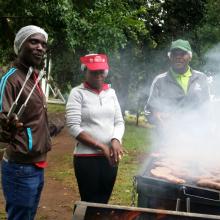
point(212, 68)
point(191, 139)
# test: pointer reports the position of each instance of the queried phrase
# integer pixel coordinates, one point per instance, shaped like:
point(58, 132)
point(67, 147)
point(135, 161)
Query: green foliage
point(181, 17)
point(75, 28)
point(104, 26)
point(209, 32)
point(135, 35)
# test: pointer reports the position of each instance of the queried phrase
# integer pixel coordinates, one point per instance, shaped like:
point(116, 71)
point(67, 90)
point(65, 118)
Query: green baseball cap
point(182, 45)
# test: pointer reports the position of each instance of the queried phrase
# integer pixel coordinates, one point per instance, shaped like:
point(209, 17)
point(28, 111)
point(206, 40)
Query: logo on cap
point(95, 61)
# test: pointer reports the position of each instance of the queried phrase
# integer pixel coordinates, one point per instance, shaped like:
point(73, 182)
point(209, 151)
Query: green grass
point(136, 143)
point(64, 169)
point(136, 138)
point(56, 108)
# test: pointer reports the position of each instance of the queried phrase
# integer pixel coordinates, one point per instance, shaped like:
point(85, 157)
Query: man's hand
point(9, 127)
point(161, 117)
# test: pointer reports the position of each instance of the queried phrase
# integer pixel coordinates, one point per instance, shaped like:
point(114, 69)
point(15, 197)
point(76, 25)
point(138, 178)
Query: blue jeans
point(22, 185)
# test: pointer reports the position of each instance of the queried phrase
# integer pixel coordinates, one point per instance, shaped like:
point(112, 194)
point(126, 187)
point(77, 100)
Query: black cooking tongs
point(15, 103)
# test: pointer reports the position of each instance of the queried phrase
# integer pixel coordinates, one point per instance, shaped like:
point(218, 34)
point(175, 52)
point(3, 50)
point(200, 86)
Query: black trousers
point(95, 178)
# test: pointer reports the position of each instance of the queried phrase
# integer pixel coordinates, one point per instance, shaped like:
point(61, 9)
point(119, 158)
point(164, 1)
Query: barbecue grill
point(95, 211)
point(157, 193)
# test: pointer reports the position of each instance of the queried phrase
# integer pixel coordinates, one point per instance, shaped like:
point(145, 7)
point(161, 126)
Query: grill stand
point(99, 211)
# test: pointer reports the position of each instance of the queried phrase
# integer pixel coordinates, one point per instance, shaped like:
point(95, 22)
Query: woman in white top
point(94, 118)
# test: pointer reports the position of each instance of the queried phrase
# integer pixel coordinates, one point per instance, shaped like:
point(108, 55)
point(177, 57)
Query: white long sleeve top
point(97, 114)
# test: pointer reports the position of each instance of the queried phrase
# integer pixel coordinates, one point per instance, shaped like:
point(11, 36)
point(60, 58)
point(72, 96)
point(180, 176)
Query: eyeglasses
point(178, 52)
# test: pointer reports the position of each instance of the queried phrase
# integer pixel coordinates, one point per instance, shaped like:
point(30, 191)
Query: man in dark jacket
point(27, 134)
point(180, 89)
point(177, 95)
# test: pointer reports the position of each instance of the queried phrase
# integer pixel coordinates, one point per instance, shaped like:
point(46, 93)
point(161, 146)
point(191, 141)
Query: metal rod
point(21, 110)
point(178, 204)
point(188, 204)
point(14, 104)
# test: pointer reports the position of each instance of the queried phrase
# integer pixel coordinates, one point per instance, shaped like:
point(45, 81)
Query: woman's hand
point(117, 151)
point(113, 153)
point(107, 153)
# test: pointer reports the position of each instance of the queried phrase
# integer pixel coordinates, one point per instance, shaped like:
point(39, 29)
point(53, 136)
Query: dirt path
point(58, 197)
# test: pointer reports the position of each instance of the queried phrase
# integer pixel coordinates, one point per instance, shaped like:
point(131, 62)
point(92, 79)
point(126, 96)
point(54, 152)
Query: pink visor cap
point(95, 62)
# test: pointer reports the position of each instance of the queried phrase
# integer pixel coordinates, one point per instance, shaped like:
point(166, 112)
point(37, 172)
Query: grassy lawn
point(56, 108)
point(136, 143)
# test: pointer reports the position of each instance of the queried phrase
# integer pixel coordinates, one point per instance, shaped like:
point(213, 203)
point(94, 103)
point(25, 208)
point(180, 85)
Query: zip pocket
point(30, 140)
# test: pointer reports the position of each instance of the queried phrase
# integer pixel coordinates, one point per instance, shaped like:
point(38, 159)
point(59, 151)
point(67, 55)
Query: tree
point(135, 34)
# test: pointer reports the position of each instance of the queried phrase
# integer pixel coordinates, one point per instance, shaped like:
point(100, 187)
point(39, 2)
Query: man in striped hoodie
point(27, 136)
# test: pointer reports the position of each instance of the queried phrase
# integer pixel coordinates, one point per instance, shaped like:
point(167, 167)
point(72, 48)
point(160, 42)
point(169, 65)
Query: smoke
point(189, 139)
point(212, 58)
point(212, 68)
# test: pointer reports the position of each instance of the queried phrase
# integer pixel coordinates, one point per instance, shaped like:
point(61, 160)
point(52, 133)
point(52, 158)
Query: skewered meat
point(176, 168)
point(209, 183)
point(166, 173)
point(184, 171)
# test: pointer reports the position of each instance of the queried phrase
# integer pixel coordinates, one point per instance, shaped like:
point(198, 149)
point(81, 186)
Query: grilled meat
point(211, 183)
point(166, 173)
point(184, 171)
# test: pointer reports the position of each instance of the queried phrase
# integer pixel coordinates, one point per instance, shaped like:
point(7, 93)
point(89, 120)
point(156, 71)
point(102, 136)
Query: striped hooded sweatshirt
point(32, 143)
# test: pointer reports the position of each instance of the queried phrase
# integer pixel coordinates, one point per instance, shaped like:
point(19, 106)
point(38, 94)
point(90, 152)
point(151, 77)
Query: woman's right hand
point(107, 153)
point(87, 139)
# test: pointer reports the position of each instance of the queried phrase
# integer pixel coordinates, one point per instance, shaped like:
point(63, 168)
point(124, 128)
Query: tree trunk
point(137, 118)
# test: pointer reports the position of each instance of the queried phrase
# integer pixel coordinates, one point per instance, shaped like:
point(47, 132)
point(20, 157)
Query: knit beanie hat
point(26, 32)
